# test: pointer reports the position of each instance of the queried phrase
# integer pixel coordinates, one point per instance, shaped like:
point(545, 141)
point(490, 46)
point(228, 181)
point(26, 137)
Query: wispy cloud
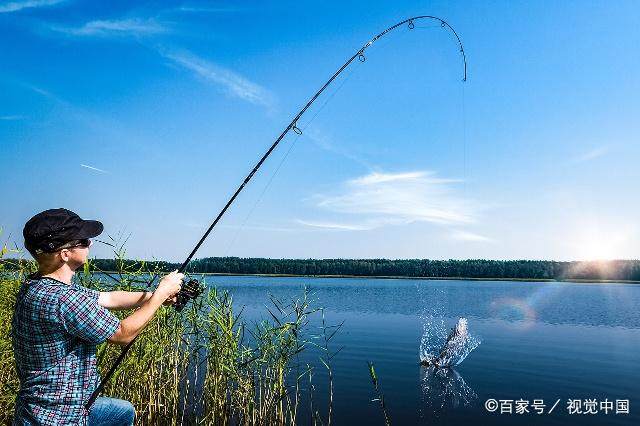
point(233, 83)
point(66, 110)
point(470, 237)
point(337, 226)
point(266, 228)
point(376, 178)
point(115, 28)
point(245, 227)
point(11, 117)
point(592, 154)
point(15, 6)
point(197, 9)
point(93, 168)
point(41, 91)
point(324, 142)
point(379, 199)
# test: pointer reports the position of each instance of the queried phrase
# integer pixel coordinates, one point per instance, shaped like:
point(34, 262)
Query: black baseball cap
point(49, 230)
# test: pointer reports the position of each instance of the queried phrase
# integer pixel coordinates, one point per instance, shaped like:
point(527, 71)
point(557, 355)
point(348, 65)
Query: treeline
point(623, 270)
point(474, 268)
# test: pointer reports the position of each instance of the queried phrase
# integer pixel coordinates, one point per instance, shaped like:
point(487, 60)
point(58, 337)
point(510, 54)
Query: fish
point(455, 341)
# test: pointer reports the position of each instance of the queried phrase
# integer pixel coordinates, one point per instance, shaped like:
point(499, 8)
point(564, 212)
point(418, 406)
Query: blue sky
point(147, 116)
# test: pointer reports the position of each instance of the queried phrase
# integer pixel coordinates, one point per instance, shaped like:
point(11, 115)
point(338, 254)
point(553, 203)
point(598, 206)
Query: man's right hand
point(170, 285)
point(132, 325)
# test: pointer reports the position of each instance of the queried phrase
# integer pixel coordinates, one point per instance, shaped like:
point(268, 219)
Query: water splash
point(443, 389)
point(442, 348)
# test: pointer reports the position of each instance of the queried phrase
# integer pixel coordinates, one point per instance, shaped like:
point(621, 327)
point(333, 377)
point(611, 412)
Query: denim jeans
point(111, 412)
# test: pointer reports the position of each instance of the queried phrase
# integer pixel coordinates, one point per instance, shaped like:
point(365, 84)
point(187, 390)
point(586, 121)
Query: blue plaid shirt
point(56, 329)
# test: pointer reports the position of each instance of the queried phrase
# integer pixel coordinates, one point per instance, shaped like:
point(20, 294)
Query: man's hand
point(132, 325)
point(169, 286)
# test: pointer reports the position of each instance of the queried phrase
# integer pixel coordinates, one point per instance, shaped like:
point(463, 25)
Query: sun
point(599, 242)
point(597, 249)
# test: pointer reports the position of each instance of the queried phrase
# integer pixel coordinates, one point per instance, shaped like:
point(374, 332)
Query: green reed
point(379, 397)
point(205, 365)
point(9, 285)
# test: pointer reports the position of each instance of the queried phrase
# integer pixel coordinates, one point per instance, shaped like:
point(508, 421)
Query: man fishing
point(57, 325)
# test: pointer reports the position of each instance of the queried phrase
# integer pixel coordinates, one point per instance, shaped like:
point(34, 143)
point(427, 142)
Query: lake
point(540, 341)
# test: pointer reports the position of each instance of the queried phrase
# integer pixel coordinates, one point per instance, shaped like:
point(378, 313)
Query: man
point(57, 325)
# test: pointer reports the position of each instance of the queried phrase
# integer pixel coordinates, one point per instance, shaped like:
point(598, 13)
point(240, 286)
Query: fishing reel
point(189, 291)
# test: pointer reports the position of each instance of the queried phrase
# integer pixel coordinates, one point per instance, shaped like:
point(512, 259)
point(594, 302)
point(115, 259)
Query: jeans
point(111, 412)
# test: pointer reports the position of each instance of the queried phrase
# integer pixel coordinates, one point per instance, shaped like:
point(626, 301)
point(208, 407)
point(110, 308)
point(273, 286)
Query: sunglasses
point(84, 243)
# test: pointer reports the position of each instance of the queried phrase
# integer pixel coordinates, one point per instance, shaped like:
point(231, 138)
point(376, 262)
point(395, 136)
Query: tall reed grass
point(9, 385)
point(206, 365)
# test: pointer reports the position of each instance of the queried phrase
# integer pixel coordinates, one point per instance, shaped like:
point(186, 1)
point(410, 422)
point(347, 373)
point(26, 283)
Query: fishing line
point(463, 120)
point(298, 135)
point(192, 289)
point(284, 158)
point(464, 140)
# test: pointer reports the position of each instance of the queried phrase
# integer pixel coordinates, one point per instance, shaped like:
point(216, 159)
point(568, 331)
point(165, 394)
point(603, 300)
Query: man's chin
point(75, 268)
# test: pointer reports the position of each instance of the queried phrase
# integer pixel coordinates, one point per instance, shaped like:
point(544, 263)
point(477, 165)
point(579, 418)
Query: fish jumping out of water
point(453, 345)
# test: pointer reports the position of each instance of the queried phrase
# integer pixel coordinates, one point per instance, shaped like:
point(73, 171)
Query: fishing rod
point(192, 289)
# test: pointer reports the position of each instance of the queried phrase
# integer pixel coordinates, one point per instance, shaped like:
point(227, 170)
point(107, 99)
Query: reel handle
point(189, 291)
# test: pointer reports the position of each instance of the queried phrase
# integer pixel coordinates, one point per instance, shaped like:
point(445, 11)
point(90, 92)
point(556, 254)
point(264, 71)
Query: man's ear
point(64, 255)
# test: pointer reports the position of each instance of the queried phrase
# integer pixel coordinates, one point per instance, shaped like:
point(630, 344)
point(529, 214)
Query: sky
point(148, 115)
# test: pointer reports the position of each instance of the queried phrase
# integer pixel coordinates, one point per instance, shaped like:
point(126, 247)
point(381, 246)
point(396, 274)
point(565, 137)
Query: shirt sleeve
point(81, 316)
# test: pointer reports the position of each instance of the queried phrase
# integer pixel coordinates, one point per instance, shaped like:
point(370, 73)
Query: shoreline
point(404, 277)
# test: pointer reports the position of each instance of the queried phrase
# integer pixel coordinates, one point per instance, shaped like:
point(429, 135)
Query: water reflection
point(443, 389)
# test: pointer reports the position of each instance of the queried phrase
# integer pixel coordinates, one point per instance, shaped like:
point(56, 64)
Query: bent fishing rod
point(192, 289)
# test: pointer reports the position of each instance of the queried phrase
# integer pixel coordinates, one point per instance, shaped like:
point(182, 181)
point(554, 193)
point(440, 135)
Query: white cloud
point(11, 117)
point(336, 226)
point(119, 27)
point(15, 6)
point(246, 227)
point(591, 155)
point(40, 91)
point(260, 228)
point(93, 168)
point(379, 199)
point(470, 236)
point(376, 178)
point(321, 140)
point(208, 9)
point(234, 84)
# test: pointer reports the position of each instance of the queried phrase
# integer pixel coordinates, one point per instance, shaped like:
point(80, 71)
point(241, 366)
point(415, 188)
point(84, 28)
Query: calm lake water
point(540, 341)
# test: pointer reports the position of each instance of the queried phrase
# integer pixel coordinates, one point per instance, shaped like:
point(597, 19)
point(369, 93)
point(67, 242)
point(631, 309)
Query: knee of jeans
point(129, 411)
point(124, 411)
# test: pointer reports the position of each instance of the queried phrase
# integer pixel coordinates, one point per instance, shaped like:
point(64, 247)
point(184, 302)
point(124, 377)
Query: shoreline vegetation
point(471, 269)
point(207, 365)
point(400, 277)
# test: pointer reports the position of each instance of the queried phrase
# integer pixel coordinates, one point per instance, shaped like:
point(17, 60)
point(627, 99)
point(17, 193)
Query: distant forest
point(618, 270)
point(515, 269)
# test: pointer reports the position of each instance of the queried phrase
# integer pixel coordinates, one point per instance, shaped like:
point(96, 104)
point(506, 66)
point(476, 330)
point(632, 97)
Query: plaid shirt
point(56, 329)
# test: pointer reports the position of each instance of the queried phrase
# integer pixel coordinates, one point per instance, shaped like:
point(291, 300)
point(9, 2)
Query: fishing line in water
point(284, 158)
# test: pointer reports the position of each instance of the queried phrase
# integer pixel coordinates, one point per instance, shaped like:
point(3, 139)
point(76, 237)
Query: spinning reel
point(189, 291)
